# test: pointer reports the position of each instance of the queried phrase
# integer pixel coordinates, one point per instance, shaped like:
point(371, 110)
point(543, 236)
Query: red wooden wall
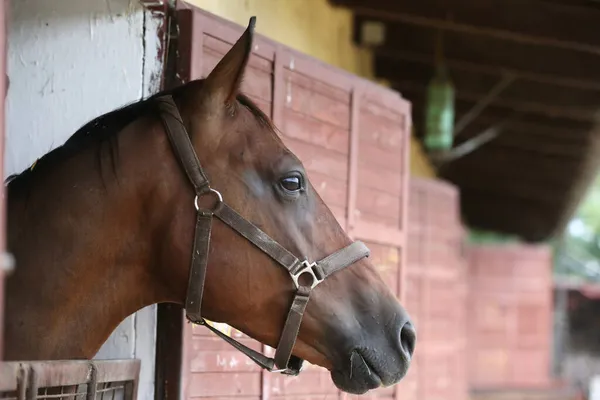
point(353, 139)
point(510, 316)
point(436, 282)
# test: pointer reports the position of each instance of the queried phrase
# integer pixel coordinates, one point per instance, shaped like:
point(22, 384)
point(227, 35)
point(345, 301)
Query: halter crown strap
point(283, 361)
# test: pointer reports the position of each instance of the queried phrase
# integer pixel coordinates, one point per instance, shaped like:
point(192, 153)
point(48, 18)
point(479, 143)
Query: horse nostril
point(408, 338)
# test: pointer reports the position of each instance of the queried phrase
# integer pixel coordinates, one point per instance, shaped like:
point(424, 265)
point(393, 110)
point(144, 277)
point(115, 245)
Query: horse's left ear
point(223, 83)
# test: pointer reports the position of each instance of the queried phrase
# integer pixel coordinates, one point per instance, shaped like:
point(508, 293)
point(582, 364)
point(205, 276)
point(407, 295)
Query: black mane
point(104, 129)
point(100, 129)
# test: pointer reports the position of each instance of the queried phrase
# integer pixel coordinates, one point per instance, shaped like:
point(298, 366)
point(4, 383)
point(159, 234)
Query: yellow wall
point(313, 27)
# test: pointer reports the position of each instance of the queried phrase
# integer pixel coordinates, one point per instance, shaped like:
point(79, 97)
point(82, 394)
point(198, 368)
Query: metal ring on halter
point(307, 268)
point(219, 199)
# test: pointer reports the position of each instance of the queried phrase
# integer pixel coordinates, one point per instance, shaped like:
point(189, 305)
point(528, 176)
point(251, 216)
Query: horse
point(121, 217)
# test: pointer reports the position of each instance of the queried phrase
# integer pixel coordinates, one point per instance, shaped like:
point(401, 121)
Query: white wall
point(70, 61)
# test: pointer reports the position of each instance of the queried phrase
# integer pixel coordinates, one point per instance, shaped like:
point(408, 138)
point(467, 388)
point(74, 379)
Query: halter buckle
point(306, 267)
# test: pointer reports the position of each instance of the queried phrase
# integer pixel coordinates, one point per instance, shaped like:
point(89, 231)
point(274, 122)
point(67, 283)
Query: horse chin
point(361, 374)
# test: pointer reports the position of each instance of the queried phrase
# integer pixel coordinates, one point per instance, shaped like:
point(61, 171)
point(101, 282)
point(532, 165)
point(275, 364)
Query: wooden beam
point(469, 81)
point(474, 201)
point(497, 163)
point(529, 219)
point(477, 66)
point(552, 197)
point(535, 147)
point(535, 23)
point(534, 124)
point(466, 146)
point(464, 120)
point(533, 132)
point(504, 55)
point(574, 113)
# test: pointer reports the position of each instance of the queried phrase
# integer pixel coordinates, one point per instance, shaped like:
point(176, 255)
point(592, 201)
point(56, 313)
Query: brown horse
point(104, 225)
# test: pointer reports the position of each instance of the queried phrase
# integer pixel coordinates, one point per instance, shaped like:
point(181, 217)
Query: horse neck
point(83, 251)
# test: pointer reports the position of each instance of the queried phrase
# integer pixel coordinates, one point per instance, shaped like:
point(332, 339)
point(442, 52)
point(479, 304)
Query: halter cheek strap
point(312, 273)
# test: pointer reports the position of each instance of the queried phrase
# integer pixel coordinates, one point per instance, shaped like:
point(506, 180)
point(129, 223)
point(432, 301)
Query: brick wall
point(436, 292)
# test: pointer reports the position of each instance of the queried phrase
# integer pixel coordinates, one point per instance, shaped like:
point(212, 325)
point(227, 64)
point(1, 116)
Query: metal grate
point(69, 380)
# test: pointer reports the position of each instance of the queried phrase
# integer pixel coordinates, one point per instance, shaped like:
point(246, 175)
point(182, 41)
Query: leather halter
point(283, 361)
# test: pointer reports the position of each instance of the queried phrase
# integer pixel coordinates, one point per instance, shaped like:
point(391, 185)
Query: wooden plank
point(532, 23)
point(373, 203)
point(315, 158)
point(353, 161)
point(511, 320)
point(371, 177)
point(311, 130)
point(473, 82)
point(314, 103)
point(384, 57)
point(257, 81)
point(377, 233)
point(217, 47)
point(386, 260)
point(576, 113)
point(229, 32)
point(215, 384)
point(307, 383)
point(433, 294)
point(332, 191)
point(311, 103)
point(507, 55)
point(390, 158)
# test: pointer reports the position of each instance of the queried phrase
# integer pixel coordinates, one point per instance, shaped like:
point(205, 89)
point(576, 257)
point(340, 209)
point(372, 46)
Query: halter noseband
point(283, 361)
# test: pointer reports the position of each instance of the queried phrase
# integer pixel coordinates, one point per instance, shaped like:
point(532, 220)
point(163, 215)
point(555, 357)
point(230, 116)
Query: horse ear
point(222, 85)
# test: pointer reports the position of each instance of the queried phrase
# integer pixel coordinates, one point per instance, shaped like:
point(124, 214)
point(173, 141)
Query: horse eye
point(291, 183)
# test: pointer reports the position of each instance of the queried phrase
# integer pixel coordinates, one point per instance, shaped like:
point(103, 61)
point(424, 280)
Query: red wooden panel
point(440, 367)
point(436, 290)
point(235, 397)
point(352, 136)
point(377, 394)
point(257, 82)
point(307, 383)
point(220, 46)
point(213, 384)
point(211, 354)
point(386, 259)
point(308, 129)
point(318, 104)
point(315, 158)
point(511, 318)
point(316, 99)
point(371, 178)
point(332, 191)
point(379, 206)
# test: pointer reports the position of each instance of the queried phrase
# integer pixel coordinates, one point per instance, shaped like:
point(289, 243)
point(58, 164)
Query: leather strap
point(291, 327)
point(193, 301)
point(257, 237)
point(284, 361)
point(343, 258)
point(181, 143)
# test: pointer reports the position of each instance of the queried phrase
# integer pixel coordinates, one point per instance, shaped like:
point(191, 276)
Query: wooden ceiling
point(531, 64)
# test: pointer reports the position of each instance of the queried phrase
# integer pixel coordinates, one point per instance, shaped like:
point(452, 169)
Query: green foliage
point(489, 237)
point(579, 249)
